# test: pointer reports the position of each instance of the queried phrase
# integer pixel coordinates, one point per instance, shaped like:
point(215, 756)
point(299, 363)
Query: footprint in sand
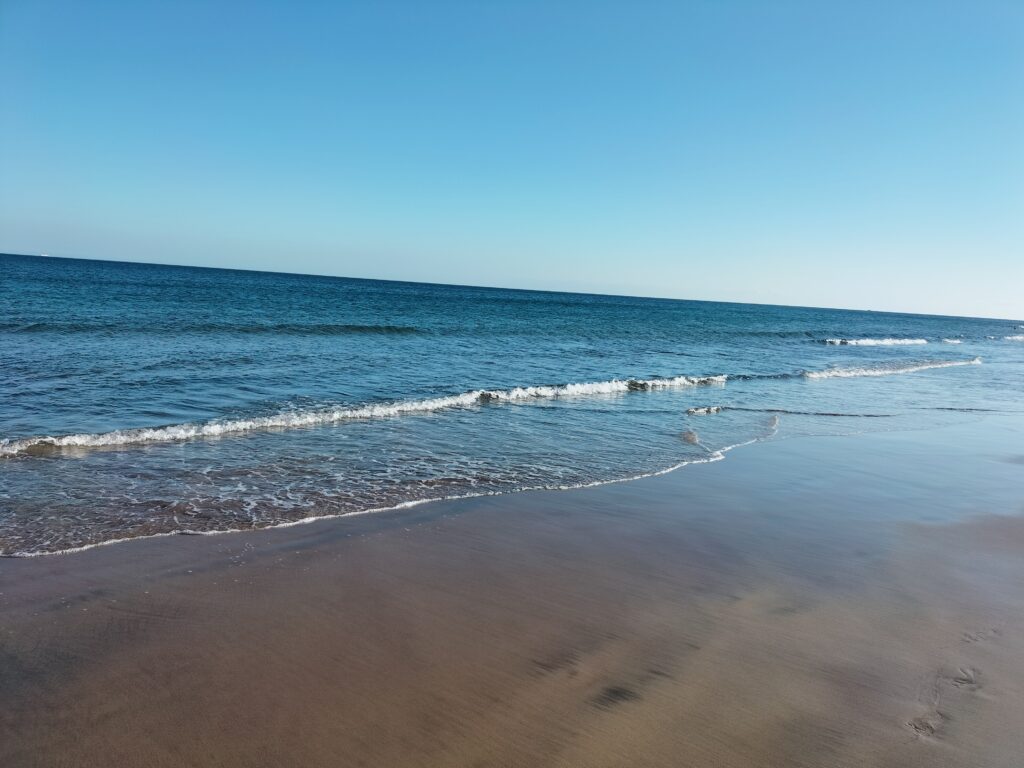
point(980, 635)
point(966, 678)
point(930, 724)
point(927, 725)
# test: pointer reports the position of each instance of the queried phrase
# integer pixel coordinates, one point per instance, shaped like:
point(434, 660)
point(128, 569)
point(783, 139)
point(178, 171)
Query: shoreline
point(712, 457)
point(715, 455)
point(810, 604)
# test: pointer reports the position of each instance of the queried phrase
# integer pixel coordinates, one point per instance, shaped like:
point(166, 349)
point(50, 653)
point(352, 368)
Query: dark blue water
point(141, 399)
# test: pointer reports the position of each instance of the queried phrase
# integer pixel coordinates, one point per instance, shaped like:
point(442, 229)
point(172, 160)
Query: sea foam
point(707, 410)
point(887, 370)
point(322, 416)
point(294, 419)
point(874, 342)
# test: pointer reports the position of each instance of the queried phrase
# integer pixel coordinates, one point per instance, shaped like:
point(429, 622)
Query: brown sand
point(735, 614)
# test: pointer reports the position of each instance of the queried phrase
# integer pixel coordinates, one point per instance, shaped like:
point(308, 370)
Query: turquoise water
point(142, 399)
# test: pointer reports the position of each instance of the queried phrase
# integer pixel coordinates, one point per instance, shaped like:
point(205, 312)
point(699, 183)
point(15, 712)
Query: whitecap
point(321, 416)
point(875, 342)
point(887, 370)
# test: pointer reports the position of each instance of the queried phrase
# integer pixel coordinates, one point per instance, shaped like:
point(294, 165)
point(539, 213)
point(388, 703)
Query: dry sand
point(762, 611)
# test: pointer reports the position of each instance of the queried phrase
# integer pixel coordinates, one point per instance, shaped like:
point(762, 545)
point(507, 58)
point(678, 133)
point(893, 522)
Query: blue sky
point(856, 154)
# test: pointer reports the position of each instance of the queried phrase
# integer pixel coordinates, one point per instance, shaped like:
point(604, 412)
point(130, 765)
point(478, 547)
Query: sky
point(847, 154)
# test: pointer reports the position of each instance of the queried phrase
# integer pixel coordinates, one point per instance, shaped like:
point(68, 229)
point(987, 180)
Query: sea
point(141, 399)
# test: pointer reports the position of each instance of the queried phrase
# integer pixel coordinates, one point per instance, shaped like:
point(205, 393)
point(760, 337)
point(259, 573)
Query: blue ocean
point(142, 399)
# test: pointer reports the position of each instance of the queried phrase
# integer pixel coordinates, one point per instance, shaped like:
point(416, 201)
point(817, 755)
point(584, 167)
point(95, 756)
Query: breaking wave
point(292, 419)
point(887, 370)
point(322, 416)
point(874, 342)
point(713, 409)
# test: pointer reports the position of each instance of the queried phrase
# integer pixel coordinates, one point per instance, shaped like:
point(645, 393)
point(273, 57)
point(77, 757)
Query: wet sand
point(809, 602)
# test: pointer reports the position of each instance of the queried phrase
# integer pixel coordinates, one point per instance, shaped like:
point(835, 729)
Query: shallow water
point(143, 399)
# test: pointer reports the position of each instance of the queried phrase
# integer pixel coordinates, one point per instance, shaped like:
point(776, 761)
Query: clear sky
point(858, 154)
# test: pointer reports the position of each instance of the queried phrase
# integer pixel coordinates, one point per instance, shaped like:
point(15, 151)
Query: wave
point(952, 341)
point(286, 329)
point(887, 370)
point(1016, 337)
point(706, 410)
point(322, 416)
point(713, 455)
point(874, 342)
point(292, 419)
point(713, 409)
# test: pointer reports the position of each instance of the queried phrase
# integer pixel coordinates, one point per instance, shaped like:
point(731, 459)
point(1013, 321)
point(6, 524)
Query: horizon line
point(505, 288)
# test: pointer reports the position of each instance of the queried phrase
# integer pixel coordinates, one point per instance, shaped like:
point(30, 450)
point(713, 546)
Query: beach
point(511, 385)
point(816, 601)
point(146, 399)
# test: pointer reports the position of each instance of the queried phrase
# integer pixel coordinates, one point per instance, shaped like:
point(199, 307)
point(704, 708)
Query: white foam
point(952, 341)
point(1016, 337)
point(705, 411)
point(875, 342)
point(887, 370)
point(713, 456)
point(316, 417)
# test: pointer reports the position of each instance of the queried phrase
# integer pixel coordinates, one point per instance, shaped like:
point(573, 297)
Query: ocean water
point(141, 399)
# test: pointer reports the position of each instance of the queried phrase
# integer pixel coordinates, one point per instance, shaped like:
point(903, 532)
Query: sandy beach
point(511, 385)
point(807, 602)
